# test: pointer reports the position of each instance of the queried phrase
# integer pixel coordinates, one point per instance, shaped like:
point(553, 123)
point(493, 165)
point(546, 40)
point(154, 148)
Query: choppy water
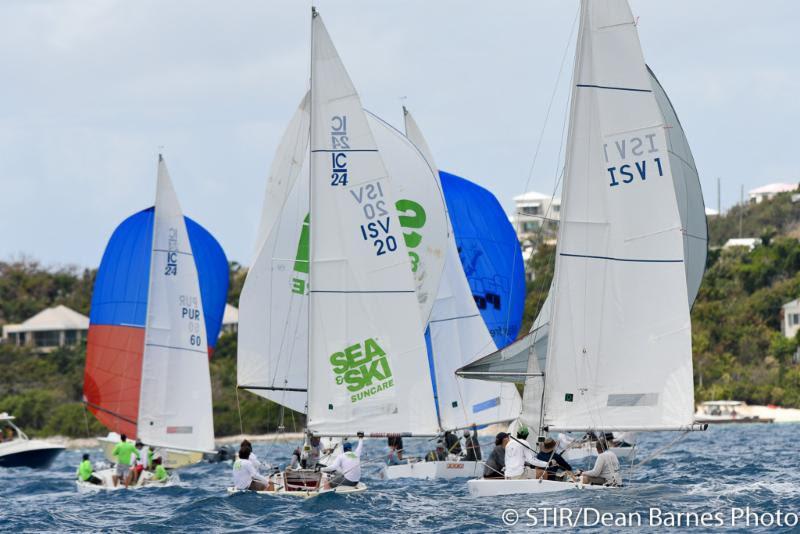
point(727, 467)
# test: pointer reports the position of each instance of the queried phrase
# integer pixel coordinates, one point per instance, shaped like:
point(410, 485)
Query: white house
point(791, 318)
point(749, 242)
point(531, 209)
point(48, 329)
point(768, 192)
point(230, 320)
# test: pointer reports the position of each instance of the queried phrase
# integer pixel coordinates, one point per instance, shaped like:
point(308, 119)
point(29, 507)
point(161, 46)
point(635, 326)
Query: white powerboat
point(17, 450)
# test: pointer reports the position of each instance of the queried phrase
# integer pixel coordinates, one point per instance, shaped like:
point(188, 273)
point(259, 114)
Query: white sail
point(458, 335)
point(687, 192)
point(273, 306)
point(367, 349)
point(620, 341)
point(175, 400)
point(273, 324)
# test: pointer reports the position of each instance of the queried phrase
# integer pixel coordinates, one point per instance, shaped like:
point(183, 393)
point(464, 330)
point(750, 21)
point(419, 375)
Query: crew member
point(520, 460)
point(606, 468)
point(125, 453)
point(86, 472)
point(347, 466)
point(245, 474)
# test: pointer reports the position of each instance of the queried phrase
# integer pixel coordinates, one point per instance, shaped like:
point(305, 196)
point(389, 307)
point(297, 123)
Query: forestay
point(175, 400)
point(620, 344)
point(458, 334)
point(367, 351)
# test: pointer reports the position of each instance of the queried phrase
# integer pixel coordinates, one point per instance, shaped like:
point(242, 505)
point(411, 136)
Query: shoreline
point(94, 443)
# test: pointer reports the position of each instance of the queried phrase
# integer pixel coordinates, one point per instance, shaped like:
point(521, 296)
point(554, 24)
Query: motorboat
point(17, 450)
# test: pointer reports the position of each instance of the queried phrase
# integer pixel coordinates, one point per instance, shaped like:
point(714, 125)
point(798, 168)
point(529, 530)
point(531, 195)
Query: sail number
point(171, 268)
point(377, 227)
point(190, 312)
point(643, 148)
point(339, 140)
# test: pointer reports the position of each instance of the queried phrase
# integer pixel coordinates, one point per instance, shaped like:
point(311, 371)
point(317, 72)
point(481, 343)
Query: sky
point(92, 90)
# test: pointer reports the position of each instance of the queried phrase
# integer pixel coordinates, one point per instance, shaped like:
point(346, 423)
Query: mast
point(311, 166)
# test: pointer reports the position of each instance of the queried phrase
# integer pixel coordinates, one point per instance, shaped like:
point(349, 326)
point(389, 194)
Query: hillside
point(739, 351)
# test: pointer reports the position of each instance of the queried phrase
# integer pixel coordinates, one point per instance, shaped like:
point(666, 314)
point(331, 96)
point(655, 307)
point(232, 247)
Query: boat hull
point(28, 453)
point(487, 487)
point(146, 480)
point(432, 470)
point(585, 451)
point(306, 494)
point(171, 458)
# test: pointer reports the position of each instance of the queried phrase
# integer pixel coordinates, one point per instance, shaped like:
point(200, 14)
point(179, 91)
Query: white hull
point(487, 487)
point(307, 494)
point(587, 450)
point(171, 458)
point(106, 475)
point(23, 452)
point(432, 470)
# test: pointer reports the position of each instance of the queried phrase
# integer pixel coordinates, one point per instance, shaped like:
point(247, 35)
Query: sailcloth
point(458, 334)
point(273, 320)
point(273, 306)
point(367, 349)
point(120, 368)
point(620, 343)
point(175, 406)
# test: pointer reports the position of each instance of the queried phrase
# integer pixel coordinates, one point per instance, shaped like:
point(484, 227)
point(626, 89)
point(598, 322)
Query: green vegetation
point(739, 350)
point(44, 391)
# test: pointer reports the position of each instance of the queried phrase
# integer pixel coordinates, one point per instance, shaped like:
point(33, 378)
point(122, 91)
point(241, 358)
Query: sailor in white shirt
point(253, 458)
point(347, 466)
point(518, 454)
point(245, 475)
point(606, 468)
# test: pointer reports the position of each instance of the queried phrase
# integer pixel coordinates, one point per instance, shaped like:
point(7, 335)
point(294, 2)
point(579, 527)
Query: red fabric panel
point(113, 375)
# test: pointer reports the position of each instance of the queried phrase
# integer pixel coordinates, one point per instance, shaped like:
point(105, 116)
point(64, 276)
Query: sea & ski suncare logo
point(363, 368)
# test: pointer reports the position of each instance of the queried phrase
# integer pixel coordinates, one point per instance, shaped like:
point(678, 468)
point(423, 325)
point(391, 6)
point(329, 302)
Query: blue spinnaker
point(490, 255)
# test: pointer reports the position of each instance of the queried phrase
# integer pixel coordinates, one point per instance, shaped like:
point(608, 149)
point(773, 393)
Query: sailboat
point(611, 349)
point(457, 334)
point(155, 316)
point(333, 310)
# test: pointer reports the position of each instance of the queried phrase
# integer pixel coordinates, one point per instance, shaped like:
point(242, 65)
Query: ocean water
point(721, 472)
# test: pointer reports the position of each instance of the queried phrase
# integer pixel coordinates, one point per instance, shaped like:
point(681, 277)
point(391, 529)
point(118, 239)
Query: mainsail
point(620, 354)
point(366, 333)
point(513, 364)
point(140, 379)
point(458, 334)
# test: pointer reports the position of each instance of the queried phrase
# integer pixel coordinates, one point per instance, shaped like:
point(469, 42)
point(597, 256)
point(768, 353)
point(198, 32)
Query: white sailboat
point(174, 397)
point(332, 312)
point(617, 334)
point(458, 335)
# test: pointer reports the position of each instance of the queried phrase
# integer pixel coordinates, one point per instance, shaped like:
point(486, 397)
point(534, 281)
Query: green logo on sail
point(363, 368)
point(301, 260)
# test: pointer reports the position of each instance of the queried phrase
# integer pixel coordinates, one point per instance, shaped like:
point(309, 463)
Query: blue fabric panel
point(490, 255)
point(120, 288)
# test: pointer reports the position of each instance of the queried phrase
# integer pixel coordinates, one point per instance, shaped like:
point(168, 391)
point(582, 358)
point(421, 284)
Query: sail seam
point(176, 251)
point(173, 347)
point(636, 260)
point(355, 291)
point(346, 150)
point(454, 318)
point(593, 86)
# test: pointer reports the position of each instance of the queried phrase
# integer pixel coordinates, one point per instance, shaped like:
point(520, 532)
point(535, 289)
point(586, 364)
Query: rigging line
point(664, 449)
point(239, 409)
point(552, 99)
